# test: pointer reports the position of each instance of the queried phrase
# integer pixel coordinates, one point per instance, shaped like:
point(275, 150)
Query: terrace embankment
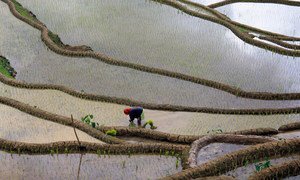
point(290, 127)
point(224, 138)
point(86, 147)
point(176, 138)
point(50, 42)
point(226, 2)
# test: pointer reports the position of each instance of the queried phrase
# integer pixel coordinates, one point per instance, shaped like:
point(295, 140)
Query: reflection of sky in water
point(34, 63)
point(272, 17)
point(157, 35)
point(206, 2)
point(245, 171)
point(92, 166)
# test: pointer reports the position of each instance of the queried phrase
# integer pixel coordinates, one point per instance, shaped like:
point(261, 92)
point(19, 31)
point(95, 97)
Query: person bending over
point(134, 112)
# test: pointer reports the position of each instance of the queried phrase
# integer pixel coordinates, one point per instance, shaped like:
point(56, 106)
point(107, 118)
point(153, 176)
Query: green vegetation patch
point(6, 69)
point(111, 132)
point(88, 120)
point(151, 123)
point(262, 165)
point(23, 11)
point(55, 38)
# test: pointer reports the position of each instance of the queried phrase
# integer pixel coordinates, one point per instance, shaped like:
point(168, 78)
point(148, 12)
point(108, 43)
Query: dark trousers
point(139, 121)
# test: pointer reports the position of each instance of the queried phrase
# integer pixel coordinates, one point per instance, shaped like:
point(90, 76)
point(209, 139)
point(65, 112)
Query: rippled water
point(159, 36)
point(91, 167)
point(215, 150)
point(272, 17)
point(19, 126)
point(112, 115)
point(34, 63)
point(246, 171)
point(206, 2)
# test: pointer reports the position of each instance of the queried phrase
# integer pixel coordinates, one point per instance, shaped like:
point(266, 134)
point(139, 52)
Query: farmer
point(134, 112)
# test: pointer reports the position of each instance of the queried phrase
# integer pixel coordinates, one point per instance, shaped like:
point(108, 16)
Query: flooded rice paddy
point(276, 18)
point(246, 171)
point(91, 167)
point(18, 126)
point(112, 114)
point(151, 34)
point(157, 35)
point(215, 150)
point(34, 63)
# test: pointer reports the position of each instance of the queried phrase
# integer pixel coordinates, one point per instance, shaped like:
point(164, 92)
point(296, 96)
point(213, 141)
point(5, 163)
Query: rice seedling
point(88, 120)
point(215, 131)
point(262, 165)
point(23, 11)
point(111, 132)
point(150, 123)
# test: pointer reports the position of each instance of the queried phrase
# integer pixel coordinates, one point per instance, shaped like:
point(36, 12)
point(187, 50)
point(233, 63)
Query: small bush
point(111, 132)
point(55, 38)
point(150, 122)
point(88, 120)
point(262, 165)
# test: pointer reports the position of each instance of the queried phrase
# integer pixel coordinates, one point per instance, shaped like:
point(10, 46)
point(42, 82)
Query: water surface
point(91, 167)
point(277, 18)
point(34, 63)
point(215, 150)
point(160, 36)
point(244, 172)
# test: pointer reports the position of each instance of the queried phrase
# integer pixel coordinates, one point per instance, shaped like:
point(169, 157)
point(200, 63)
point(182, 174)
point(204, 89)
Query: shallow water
point(271, 17)
point(215, 150)
point(288, 135)
point(206, 2)
point(112, 114)
point(202, 123)
point(158, 36)
point(245, 171)
point(92, 167)
point(32, 61)
point(18, 126)
point(292, 178)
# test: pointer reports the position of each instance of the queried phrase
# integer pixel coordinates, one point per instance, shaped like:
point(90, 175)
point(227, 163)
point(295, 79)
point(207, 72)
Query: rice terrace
point(150, 89)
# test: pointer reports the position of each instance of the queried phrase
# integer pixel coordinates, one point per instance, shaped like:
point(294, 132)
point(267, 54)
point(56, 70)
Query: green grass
point(3, 69)
point(55, 38)
point(26, 13)
point(23, 11)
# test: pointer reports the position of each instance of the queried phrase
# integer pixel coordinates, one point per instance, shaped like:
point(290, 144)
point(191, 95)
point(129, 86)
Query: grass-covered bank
point(23, 11)
point(6, 69)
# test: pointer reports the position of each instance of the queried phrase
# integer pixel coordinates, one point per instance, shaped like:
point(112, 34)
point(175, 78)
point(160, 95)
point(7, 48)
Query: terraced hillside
point(221, 88)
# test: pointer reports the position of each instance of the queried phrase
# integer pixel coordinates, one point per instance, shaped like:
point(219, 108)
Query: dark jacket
point(135, 112)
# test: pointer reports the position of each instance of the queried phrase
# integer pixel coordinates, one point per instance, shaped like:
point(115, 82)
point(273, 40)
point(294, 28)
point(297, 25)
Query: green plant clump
point(88, 120)
point(111, 132)
point(150, 122)
point(5, 68)
point(262, 165)
point(23, 11)
point(55, 38)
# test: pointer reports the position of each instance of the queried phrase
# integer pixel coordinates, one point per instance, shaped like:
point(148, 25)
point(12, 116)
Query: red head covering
point(127, 111)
